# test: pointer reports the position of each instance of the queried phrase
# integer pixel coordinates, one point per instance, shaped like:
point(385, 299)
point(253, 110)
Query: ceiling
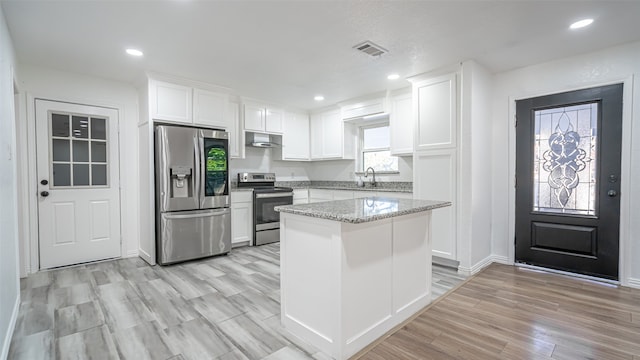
point(287, 52)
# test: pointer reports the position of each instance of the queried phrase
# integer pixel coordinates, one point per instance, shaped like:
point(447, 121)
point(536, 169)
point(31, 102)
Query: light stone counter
point(361, 210)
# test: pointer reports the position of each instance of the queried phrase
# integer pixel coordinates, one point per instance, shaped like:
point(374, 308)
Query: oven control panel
point(256, 177)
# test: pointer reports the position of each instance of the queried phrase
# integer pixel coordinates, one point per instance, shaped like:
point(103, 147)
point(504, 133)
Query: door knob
point(612, 193)
point(44, 193)
point(44, 182)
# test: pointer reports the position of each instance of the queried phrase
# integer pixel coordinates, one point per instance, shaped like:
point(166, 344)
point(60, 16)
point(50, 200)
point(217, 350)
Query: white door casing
point(77, 155)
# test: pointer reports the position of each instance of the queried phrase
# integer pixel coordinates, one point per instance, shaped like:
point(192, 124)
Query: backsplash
point(380, 185)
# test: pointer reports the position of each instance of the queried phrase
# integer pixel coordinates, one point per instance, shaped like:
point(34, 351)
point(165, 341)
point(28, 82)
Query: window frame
point(360, 156)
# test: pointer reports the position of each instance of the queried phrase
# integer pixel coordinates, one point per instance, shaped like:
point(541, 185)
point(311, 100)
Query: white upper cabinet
point(274, 119)
point(331, 138)
point(364, 108)
point(332, 135)
point(209, 109)
point(188, 105)
point(236, 135)
point(401, 125)
point(435, 102)
point(316, 136)
point(254, 117)
point(262, 118)
point(170, 102)
point(295, 137)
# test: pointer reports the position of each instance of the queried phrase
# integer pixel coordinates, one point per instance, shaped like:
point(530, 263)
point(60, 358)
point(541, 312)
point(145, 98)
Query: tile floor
point(225, 307)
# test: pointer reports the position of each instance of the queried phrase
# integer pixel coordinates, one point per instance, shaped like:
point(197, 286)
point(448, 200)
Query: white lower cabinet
point(300, 196)
point(241, 218)
point(319, 195)
point(342, 194)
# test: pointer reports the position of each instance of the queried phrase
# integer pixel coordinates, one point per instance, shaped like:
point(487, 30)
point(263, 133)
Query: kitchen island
point(353, 269)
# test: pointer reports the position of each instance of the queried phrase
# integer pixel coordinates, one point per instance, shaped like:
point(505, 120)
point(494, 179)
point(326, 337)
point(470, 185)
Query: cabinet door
point(209, 109)
point(434, 178)
point(399, 195)
point(316, 136)
point(300, 196)
point(342, 194)
point(241, 222)
point(319, 195)
point(170, 102)
point(273, 120)
point(236, 135)
point(295, 138)
point(401, 125)
point(332, 135)
point(254, 117)
point(435, 103)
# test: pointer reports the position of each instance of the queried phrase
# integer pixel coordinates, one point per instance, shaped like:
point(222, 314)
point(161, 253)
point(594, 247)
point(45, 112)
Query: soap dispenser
point(360, 181)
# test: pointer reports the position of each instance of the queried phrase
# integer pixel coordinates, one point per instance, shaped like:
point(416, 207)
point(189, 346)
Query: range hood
point(261, 140)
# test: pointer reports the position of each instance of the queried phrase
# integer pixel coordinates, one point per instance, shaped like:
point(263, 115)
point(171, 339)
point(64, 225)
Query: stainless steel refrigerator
point(193, 218)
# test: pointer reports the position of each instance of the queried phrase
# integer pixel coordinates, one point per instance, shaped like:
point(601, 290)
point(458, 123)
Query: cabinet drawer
point(241, 196)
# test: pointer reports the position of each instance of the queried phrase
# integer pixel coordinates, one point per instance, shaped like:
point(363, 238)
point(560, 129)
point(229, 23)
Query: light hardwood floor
point(225, 307)
point(509, 313)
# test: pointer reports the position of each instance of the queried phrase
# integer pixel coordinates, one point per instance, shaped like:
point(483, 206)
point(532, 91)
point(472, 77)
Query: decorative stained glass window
point(564, 168)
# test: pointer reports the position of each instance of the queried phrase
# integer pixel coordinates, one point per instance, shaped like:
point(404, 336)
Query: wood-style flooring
point(509, 313)
point(225, 307)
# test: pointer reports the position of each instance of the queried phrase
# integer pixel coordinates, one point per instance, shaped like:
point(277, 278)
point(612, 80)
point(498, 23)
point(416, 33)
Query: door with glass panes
point(78, 183)
point(568, 149)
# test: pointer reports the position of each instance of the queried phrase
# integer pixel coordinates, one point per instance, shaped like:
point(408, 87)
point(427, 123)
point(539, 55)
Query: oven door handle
point(273, 195)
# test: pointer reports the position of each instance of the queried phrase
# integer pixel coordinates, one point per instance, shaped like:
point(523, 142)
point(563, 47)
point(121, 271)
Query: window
point(78, 144)
point(375, 149)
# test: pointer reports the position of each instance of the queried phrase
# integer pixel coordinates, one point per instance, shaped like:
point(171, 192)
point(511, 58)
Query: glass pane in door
point(78, 160)
point(216, 167)
point(565, 159)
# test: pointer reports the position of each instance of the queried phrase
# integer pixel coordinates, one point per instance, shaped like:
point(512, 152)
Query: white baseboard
point(502, 260)
point(483, 263)
point(132, 253)
point(633, 282)
point(12, 326)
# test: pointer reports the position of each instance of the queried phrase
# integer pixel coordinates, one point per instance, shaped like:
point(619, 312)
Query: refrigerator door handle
point(203, 174)
point(197, 215)
point(197, 168)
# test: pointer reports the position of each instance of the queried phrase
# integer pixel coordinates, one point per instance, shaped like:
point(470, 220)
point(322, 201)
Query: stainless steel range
point(266, 196)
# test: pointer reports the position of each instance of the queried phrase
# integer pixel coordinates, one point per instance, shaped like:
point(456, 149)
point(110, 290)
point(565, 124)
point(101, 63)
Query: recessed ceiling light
point(134, 52)
point(580, 24)
point(393, 76)
point(318, 98)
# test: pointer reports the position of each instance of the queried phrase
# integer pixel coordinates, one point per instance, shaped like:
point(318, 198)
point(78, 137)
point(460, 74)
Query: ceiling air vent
point(370, 48)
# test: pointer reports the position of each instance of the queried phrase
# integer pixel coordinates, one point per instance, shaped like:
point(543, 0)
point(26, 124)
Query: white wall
point(9, 278)
point(474, 231)
point(50, 84)
point(607, 66)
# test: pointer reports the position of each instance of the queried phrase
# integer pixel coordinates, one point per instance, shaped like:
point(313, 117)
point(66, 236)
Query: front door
point(568, 149)
point(78, 183)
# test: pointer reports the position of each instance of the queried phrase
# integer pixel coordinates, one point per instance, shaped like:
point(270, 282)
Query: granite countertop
point(356, 211)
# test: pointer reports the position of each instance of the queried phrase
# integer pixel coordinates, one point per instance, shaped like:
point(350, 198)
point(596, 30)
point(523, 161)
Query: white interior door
point(78, 183)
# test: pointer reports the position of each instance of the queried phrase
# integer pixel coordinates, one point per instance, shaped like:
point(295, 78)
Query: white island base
point(344, 285)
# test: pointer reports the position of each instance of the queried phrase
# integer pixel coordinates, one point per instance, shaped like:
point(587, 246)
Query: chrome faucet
point(366, 173)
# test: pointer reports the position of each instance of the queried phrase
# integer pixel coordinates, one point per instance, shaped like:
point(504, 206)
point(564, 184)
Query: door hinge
point(515, 121)
point(515, 181)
